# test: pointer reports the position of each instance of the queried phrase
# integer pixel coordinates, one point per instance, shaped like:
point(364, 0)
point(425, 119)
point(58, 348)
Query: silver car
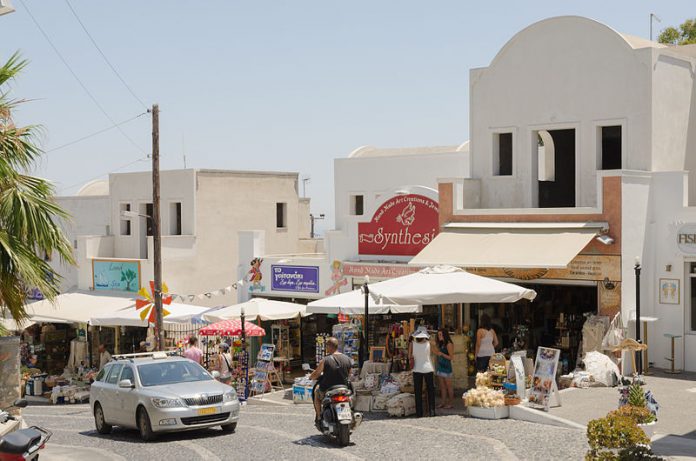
point(159, 393)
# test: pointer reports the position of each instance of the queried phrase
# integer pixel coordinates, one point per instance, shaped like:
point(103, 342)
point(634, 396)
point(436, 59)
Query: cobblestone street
point(287, 432)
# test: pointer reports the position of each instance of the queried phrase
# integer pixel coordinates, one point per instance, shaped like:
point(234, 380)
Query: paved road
point(287, 432)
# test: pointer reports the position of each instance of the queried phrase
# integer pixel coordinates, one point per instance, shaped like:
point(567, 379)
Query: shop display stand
point(265, 373)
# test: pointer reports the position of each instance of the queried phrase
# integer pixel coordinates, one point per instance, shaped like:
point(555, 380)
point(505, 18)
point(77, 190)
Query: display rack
point(348, 336)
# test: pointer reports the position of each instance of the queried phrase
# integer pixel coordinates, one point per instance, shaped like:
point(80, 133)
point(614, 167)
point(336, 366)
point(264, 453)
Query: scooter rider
point(333, 370)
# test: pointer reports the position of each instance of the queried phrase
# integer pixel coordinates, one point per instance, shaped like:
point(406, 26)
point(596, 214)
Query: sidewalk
point(675, 434)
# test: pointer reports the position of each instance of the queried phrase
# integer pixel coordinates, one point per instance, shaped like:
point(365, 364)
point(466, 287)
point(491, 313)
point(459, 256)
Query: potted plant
point(637, 409)
point(612, 436)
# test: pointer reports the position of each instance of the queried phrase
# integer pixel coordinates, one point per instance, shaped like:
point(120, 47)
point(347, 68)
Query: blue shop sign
point(299, 279)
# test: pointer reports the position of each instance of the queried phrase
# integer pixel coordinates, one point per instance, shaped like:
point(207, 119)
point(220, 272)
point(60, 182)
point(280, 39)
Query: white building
point(578, 130)
point(204, 215)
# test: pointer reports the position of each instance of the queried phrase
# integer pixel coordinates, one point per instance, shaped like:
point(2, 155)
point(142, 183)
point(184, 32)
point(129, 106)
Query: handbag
point(614, 335)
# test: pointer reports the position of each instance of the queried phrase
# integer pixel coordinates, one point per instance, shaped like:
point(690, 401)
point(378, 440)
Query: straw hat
point(630, 344)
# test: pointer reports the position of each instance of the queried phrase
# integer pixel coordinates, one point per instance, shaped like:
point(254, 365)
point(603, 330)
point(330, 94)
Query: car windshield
point(180, 371)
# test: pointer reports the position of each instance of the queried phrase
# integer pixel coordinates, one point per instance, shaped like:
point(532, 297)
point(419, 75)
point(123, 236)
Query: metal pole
point(639, 355)
point(156, 230)
point(366, 330)
point(244, 357)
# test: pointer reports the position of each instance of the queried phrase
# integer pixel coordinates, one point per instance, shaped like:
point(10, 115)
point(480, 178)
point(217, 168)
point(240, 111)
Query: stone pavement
point(675, 434)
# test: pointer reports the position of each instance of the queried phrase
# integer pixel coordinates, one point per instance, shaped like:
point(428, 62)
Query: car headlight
point(229, 396)
point(166, 403)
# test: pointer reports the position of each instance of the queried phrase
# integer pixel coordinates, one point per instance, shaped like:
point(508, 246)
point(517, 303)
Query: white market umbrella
point(78, 306)
point(265, 309)
point(130, 317)
point(445, 285)
point(353, 303)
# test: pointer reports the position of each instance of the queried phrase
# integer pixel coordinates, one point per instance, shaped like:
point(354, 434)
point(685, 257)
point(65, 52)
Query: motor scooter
point(24, 444)
point(338, 419)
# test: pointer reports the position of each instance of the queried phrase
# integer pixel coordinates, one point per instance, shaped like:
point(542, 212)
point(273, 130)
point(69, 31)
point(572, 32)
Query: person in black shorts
point(333, 370)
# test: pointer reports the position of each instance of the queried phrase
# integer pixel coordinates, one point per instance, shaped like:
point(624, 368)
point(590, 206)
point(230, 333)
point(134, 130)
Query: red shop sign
point(402, 226)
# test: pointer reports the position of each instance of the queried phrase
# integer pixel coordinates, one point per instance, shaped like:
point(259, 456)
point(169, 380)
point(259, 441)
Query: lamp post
point(364, 348)
point(639, 354)
point(244, 357)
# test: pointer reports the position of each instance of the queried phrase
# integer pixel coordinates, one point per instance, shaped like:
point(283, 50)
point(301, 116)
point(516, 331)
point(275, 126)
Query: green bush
point(609, 436)
point(636, 396)
point(639, 415)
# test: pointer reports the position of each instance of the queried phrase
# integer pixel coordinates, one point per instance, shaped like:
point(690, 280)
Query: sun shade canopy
point(353, 303)
point(551, 248)
point(265, 309)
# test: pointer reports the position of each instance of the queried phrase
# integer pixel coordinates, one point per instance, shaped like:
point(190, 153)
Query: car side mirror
point(305, 367)
point(126, 384)
point(20, 403)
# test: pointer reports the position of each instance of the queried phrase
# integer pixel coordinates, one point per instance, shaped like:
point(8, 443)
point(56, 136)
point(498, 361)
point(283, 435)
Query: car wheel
point(229, 428)
point(144, 426)
point(99, 420)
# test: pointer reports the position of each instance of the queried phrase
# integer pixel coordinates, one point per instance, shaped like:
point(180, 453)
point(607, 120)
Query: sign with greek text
point(300, 279)
point(401, 226)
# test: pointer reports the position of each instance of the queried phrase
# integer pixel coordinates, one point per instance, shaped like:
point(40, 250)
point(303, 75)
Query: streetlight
point(639, 354)
point(157, 295)
point(363, 348)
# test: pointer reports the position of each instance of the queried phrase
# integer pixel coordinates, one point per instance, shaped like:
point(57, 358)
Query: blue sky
point(268, 85)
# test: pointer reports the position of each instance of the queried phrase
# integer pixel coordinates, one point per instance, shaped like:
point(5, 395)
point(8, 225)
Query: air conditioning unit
point(5, 7)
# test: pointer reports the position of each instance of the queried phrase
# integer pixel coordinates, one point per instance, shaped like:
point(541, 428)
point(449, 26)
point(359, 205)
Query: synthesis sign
point(300, 279)
point(402, 226)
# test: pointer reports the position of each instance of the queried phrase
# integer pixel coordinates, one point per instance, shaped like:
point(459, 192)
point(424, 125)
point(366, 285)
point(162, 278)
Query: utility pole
point(156, 230)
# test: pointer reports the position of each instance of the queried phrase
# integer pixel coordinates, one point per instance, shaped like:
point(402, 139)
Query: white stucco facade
point(573, 73)
point(203, 214)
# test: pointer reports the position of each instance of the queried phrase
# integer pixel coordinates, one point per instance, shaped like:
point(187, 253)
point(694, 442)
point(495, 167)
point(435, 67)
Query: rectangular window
point(125, 221)
point(611, 147)
point(175, 218)
point(356, 205)
point(502, 154)
point(148, 221)
point(281, 215)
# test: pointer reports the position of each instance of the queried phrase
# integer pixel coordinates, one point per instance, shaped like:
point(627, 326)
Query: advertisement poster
point(544, 379)
point(299, 279)
point(114, 275)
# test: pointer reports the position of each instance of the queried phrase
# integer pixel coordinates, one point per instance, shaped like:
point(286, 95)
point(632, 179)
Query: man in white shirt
point(104, 356)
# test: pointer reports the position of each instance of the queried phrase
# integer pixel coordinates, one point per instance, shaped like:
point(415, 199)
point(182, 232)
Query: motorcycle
point(338, 419)
point(24, 444)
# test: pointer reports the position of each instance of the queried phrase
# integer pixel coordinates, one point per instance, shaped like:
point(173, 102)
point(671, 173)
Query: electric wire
point(95, 133)
point(114, 170)
point(72, 72)
point(106, 60)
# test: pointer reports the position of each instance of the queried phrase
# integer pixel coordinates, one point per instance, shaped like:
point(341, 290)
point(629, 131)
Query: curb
point(532, 415)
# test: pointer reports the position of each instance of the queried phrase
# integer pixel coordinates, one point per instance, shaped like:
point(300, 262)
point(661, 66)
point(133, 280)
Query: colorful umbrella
point(148, 303)
point(232, 328)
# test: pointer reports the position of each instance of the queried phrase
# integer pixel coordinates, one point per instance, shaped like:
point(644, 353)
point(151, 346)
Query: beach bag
point(614, 335)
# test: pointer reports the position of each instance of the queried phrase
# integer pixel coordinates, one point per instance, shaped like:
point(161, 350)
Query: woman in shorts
point(444, 353)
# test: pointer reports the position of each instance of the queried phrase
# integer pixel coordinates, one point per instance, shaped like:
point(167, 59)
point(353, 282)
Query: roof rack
point(142, 355)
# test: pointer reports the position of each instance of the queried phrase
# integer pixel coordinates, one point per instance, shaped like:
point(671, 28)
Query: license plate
point(343, 413)
point(207, 411)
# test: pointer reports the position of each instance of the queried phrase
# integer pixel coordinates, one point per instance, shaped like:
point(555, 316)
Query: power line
point(65, 62)
point(85, 181)
point(130, 90)
point(95, 133)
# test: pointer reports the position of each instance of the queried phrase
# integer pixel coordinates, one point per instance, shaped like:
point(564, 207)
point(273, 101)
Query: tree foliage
point(29, 230)
point(685, 34)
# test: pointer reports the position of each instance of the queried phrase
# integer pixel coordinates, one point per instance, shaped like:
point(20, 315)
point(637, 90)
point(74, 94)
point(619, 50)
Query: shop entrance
point(554, 319)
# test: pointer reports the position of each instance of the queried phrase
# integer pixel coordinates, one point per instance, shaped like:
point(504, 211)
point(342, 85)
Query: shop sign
point(686, 238)
point(301, 279)
point(402, 226)
point(381, 271)
point(544, 379)
point(116, 275)
point(582, 267)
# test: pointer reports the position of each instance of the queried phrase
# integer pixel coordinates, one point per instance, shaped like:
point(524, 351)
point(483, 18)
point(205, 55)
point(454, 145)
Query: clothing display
point(78, 354)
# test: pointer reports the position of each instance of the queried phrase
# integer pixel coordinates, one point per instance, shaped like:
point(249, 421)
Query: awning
point(353, 303)
point(130, 316)
point(79, 306)
point(511, 247)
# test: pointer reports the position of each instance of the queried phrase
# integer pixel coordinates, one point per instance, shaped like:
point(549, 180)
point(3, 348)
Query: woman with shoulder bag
point(224, 361)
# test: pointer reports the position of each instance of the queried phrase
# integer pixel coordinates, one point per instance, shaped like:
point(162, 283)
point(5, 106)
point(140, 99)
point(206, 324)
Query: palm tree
point(29, 231)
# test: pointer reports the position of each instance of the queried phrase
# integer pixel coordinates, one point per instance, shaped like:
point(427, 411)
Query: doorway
point(557, 185)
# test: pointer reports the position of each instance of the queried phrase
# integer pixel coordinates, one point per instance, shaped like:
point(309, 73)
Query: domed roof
point(96, 187)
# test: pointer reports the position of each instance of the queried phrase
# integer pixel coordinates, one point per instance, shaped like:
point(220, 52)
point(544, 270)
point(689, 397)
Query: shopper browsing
point(193, 352)
point(224, 359)
point(419, 354)
point(486, 342)
point(444, 353)
point(104, 356)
